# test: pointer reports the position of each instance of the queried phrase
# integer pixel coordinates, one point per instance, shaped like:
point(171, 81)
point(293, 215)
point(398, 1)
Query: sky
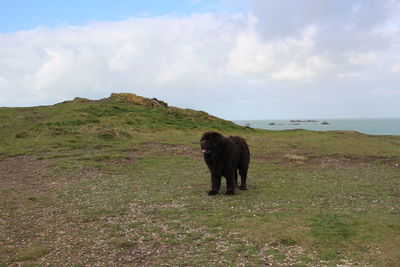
point(235, 59)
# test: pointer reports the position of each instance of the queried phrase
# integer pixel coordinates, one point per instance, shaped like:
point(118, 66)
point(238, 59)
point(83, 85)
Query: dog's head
point(211, 141)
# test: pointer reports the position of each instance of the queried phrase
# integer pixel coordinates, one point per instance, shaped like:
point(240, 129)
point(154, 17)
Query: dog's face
point(211, 141)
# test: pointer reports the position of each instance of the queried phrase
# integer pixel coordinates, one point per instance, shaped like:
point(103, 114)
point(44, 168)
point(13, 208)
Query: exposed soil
point(25, 173)
point(182, 150)
point(331, 160)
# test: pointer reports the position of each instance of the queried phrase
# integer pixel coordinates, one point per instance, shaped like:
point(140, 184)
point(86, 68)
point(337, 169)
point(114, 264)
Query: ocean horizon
point(380, 126)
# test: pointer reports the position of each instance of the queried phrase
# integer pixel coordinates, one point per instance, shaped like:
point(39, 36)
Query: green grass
point(31, 253)
point(112, 181)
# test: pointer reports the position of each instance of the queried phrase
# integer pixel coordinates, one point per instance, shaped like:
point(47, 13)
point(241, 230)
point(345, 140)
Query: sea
point(385, 126)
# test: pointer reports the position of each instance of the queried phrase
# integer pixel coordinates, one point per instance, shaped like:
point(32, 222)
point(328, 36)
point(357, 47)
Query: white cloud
point(223, 63)
point(254, 55)
point(123, 56)
point(251, 55)
point(395, 67)
point(3, 82)
point(362, 59)
point(352, 76)
point(319, 63)
point(293, 72)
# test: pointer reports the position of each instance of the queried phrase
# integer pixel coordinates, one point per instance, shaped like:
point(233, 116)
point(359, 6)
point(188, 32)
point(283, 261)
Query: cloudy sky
point(236, 59)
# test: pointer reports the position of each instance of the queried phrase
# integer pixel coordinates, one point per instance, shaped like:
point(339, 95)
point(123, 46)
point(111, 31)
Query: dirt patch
point(132, 155)
point(40, 209)
point(26, 186)
point(330, 160)
point(182, 150)
point(265, 157)
point(354, 161)
point(130, 159)
point(67, 214)
point(295, 157)
point(25, 172)
point(280, 159)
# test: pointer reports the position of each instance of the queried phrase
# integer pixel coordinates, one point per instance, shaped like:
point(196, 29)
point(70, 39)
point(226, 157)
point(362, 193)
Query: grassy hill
point(81, 123)
point(121, 181)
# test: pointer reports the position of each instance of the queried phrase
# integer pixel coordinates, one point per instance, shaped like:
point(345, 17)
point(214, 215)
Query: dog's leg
point(215, 184)
point(235, 178)
point(230, 184)
point(243, 177)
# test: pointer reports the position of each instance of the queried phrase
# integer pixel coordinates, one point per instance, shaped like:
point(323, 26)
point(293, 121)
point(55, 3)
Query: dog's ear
point(217, 139)
point(204, 136)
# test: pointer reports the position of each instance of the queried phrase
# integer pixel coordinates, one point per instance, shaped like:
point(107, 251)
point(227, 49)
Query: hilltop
point(122, 97)
point(82, 122)
point(121, 181)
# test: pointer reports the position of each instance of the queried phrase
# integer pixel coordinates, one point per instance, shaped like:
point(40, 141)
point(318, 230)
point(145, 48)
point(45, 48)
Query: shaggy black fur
point(224, 156)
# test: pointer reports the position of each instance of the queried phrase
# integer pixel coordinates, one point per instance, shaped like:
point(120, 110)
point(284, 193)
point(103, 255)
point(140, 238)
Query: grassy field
point(122, 182)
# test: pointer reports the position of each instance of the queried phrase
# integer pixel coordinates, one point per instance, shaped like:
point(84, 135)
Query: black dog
point(224, 156)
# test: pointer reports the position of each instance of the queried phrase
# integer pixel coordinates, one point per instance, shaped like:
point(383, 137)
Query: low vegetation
point(121, 181)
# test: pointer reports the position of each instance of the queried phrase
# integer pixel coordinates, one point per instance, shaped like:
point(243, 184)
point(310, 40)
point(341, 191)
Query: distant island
point(297, 122)
point(303, 121)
